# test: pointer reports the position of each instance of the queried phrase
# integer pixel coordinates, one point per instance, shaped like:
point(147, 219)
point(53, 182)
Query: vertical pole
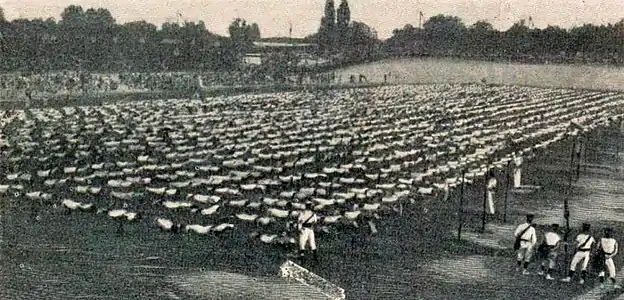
point(585, 153)
point(485, 190)
point(580, 146)
point(617, 144)
point(507, 191)
point(566, 208)
point(572, 156)
point(620, 130)
point(461, 206)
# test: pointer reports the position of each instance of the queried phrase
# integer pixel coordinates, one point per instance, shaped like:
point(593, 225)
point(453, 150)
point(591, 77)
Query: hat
point(530, 217)
point(586, 226)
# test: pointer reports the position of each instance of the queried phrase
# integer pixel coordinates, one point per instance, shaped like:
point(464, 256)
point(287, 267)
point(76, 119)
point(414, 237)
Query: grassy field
point(414, 256)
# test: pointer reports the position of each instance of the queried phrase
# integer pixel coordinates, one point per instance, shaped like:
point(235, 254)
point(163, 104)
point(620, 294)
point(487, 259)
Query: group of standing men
point(548, 250)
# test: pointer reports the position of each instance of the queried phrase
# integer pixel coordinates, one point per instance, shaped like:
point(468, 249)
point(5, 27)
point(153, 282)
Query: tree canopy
point(91, 39)
point(443, 35)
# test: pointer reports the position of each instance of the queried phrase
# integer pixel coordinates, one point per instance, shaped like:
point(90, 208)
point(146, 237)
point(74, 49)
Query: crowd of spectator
point(15, 86)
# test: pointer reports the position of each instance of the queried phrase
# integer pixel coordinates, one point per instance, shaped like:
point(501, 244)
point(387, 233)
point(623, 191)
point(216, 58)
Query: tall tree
point(73, 15)
point(483, 39)
point(343, 19)
point(361, 41)
point(255, 32)
point(519, 39)
point(135, 41)
point(618, 36)
point(327, 30)
point(445, 34)
point(330, 14)
point(2, 17)
point(99, 17)
point(242, 35)
point(552, 40)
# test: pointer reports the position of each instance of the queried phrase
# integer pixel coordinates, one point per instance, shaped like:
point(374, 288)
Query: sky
point(273, 16)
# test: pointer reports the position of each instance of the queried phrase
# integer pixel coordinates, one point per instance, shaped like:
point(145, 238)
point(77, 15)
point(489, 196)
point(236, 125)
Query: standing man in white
point(490, 209)
point(584, 243)
point(526, 238)
point(517, 172)
point(550, 250)
point(306, 222)
point(607, 249)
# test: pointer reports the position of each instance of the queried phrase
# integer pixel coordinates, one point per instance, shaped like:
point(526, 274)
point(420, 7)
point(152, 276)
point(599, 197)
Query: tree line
point(444, 35)
point(91, 39)
point(448, 36)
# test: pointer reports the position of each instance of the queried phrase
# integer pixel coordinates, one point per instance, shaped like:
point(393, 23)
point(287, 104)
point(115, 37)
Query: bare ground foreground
point(416, 256)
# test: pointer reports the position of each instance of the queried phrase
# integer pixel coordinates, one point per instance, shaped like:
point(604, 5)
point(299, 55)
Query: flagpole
point(290, 32)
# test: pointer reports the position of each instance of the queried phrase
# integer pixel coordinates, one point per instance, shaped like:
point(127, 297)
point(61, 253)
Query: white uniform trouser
point(610, 267)
point(524, 253)
point(577, 258)
point(490, 209)
point(517, 177)
point(306, 235)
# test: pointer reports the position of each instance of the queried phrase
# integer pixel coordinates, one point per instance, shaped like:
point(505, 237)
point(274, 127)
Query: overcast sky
point(384, 15)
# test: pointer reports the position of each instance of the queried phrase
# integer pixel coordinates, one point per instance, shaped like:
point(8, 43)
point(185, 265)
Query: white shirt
point(581, 238)
point(518, 161)
point(303, 217)
point(529, 237)
point(552, 238)
point(492, 183)
point(610, 246)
